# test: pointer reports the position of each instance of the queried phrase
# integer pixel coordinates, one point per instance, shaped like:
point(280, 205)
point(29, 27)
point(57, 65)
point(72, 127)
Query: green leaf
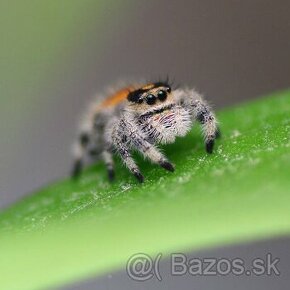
point(72, 230)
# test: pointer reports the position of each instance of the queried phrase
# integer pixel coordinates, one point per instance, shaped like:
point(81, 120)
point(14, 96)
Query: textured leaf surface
point(72, 230)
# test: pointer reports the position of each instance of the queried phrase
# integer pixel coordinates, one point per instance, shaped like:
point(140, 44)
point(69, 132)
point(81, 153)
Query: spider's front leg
point(128, 135)
point(148, 150)
point(207, 119)
point(120, 144)
point(190, 100)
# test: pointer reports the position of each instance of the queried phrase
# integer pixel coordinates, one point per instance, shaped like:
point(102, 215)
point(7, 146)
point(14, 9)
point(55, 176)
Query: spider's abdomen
point(165, 126)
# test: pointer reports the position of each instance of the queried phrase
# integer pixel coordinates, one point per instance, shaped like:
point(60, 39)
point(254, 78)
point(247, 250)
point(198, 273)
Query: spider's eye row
point(162, 95)
point(150, 99)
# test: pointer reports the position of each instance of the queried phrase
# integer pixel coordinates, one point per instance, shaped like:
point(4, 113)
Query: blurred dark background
point(55, 55)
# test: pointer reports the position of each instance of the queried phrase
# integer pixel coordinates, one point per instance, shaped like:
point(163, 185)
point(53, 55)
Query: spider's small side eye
point(162, 95)
point(140, 101)
point(150, 99)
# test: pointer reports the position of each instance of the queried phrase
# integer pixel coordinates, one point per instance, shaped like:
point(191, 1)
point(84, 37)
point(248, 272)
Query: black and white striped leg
point(108, 159)
point(127, 159)
point(79, 150)
point(208, 121)
point(132, 166)
point(150, 151)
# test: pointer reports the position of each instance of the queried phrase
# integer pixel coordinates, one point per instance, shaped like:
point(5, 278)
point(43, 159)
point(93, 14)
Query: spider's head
point(150, 96)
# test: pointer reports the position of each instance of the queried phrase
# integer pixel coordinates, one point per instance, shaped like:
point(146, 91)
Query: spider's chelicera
point(139, 117)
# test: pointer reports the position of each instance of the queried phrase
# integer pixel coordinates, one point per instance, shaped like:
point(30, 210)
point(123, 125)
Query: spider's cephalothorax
point(140, 117)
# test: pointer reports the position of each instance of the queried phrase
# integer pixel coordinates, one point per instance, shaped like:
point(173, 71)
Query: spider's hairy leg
point(122, 149)
point(79, 150)
point(149, 150)
point(86, 137)
point(108, 159)
point(208, 121)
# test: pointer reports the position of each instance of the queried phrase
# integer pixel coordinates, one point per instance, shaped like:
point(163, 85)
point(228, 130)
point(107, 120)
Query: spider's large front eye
point(150, 99)
point(162, 95)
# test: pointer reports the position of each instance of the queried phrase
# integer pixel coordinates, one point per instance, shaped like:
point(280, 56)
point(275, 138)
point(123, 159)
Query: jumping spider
point(140, 117)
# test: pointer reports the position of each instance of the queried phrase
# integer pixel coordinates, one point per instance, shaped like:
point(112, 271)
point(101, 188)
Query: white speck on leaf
point(125, 187)
point(235, 134)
